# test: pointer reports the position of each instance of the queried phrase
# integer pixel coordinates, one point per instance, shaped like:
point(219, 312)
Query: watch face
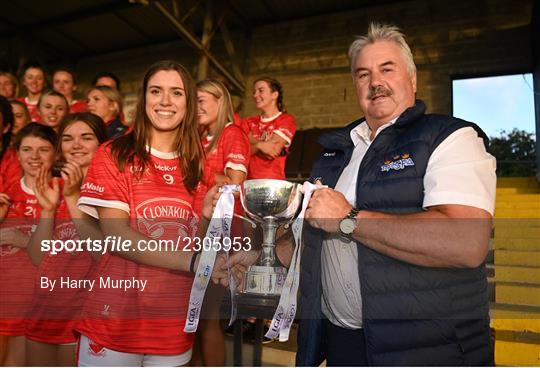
point(347, 225)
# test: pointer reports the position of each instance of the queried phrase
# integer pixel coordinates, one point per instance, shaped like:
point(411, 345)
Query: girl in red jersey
point(64, 83)
point(55, 308)
point(106, 102)
point(227, 156)
point(6, 125)
point(144, 186)
point(9, 87)
point(34, 84)
point(21, 115)
point(10, 169)
point(35, 150)
point(52, 108)
point(270, 133)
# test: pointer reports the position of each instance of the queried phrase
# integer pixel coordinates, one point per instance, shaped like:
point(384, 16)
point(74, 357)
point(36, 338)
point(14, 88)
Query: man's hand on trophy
point(326, 209)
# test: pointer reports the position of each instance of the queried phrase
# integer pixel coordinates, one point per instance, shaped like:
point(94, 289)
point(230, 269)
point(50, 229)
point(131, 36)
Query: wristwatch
point(348, 224)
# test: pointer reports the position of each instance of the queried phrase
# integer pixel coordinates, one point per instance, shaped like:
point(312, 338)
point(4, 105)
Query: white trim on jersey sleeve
point(460, 171)
point(284, 136)
point(88, 205)
point(233, 166)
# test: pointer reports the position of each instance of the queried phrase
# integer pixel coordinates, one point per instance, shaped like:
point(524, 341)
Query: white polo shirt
point(459, 171)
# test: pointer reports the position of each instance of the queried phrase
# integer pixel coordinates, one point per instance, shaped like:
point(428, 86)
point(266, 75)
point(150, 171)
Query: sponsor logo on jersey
point(236, 156)
point(165, 167)
point(93, 187)
point(164, 216)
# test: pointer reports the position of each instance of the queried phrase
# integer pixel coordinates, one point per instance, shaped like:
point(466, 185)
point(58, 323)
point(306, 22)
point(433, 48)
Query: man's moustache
point(379, 91)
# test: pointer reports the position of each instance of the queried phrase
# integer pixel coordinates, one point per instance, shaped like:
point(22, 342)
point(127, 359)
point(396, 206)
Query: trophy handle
point(252, 223)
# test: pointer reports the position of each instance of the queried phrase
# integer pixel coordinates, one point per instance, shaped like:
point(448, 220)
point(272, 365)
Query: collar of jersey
point(159, 154)
point(26, 188)
point(266, 120)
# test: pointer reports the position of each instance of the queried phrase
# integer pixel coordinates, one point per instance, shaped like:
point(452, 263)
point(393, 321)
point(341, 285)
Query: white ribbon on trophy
point(219, 227)
point(286, 310)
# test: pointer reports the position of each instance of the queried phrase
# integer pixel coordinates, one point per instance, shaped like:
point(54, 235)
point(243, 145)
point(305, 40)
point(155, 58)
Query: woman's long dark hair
point(7, 120)
point(126, 149)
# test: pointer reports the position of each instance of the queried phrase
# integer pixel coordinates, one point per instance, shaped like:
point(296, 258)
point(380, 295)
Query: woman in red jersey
point(270, 133)
point(146, 186)
point(21, 115)
point(20, 213)
point(52, 108)
point(57, 304)
point(227, 151)
point(34, 84)
point(9, 87)
point(10, 169)
point(106, 102)
point(64, 83)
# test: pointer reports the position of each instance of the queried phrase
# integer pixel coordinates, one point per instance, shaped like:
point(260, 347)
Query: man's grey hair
point(382, 32)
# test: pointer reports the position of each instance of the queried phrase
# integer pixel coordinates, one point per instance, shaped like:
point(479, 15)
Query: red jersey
point(32, 108)
point(55, 312)
point(135, 320)
point(17, 273)
point(10, 168)
point(262, 129)
point(232, 151)
point(78, 106)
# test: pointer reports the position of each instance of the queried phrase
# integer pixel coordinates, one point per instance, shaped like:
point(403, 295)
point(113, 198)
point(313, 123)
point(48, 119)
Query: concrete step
point(517, 293)
point(508, 204)
point(516, 258)
point(518, 244)
point(506, 317)
point(518, 190)
point(517, 197)
point(517, 182)
point(516, 353)
point(510, 213)
point(520, 274)
point(516, 229)
point(517, 334)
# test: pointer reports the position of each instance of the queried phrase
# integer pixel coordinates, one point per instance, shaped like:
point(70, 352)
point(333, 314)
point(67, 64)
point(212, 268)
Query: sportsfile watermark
point(120, 244)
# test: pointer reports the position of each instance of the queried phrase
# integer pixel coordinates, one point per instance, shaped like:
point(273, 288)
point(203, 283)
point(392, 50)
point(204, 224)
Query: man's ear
point(413, 81)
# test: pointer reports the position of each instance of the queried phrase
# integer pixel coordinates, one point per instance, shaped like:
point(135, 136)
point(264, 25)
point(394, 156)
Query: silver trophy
point(271, 203)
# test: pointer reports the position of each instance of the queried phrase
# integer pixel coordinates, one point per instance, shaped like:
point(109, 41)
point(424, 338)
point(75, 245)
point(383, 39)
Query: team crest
point(398, 162)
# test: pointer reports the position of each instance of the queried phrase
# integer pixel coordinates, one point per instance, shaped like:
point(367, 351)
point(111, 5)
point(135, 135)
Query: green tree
point(515, 153)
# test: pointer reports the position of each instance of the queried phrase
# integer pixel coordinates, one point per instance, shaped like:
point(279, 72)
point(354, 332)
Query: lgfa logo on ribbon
point(399, 163)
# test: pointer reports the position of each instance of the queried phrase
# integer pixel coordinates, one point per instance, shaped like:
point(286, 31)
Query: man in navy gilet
point(392, 268)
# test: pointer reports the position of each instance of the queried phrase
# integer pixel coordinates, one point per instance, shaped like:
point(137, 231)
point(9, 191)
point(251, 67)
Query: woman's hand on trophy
point(219, 273)
point(243, 258)
point(210, 200)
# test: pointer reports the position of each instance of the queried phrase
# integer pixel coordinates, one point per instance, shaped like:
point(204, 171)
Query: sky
point(496, 103)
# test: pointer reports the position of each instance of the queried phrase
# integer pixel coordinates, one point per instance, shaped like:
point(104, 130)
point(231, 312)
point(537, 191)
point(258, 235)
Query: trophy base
point(265, 280)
